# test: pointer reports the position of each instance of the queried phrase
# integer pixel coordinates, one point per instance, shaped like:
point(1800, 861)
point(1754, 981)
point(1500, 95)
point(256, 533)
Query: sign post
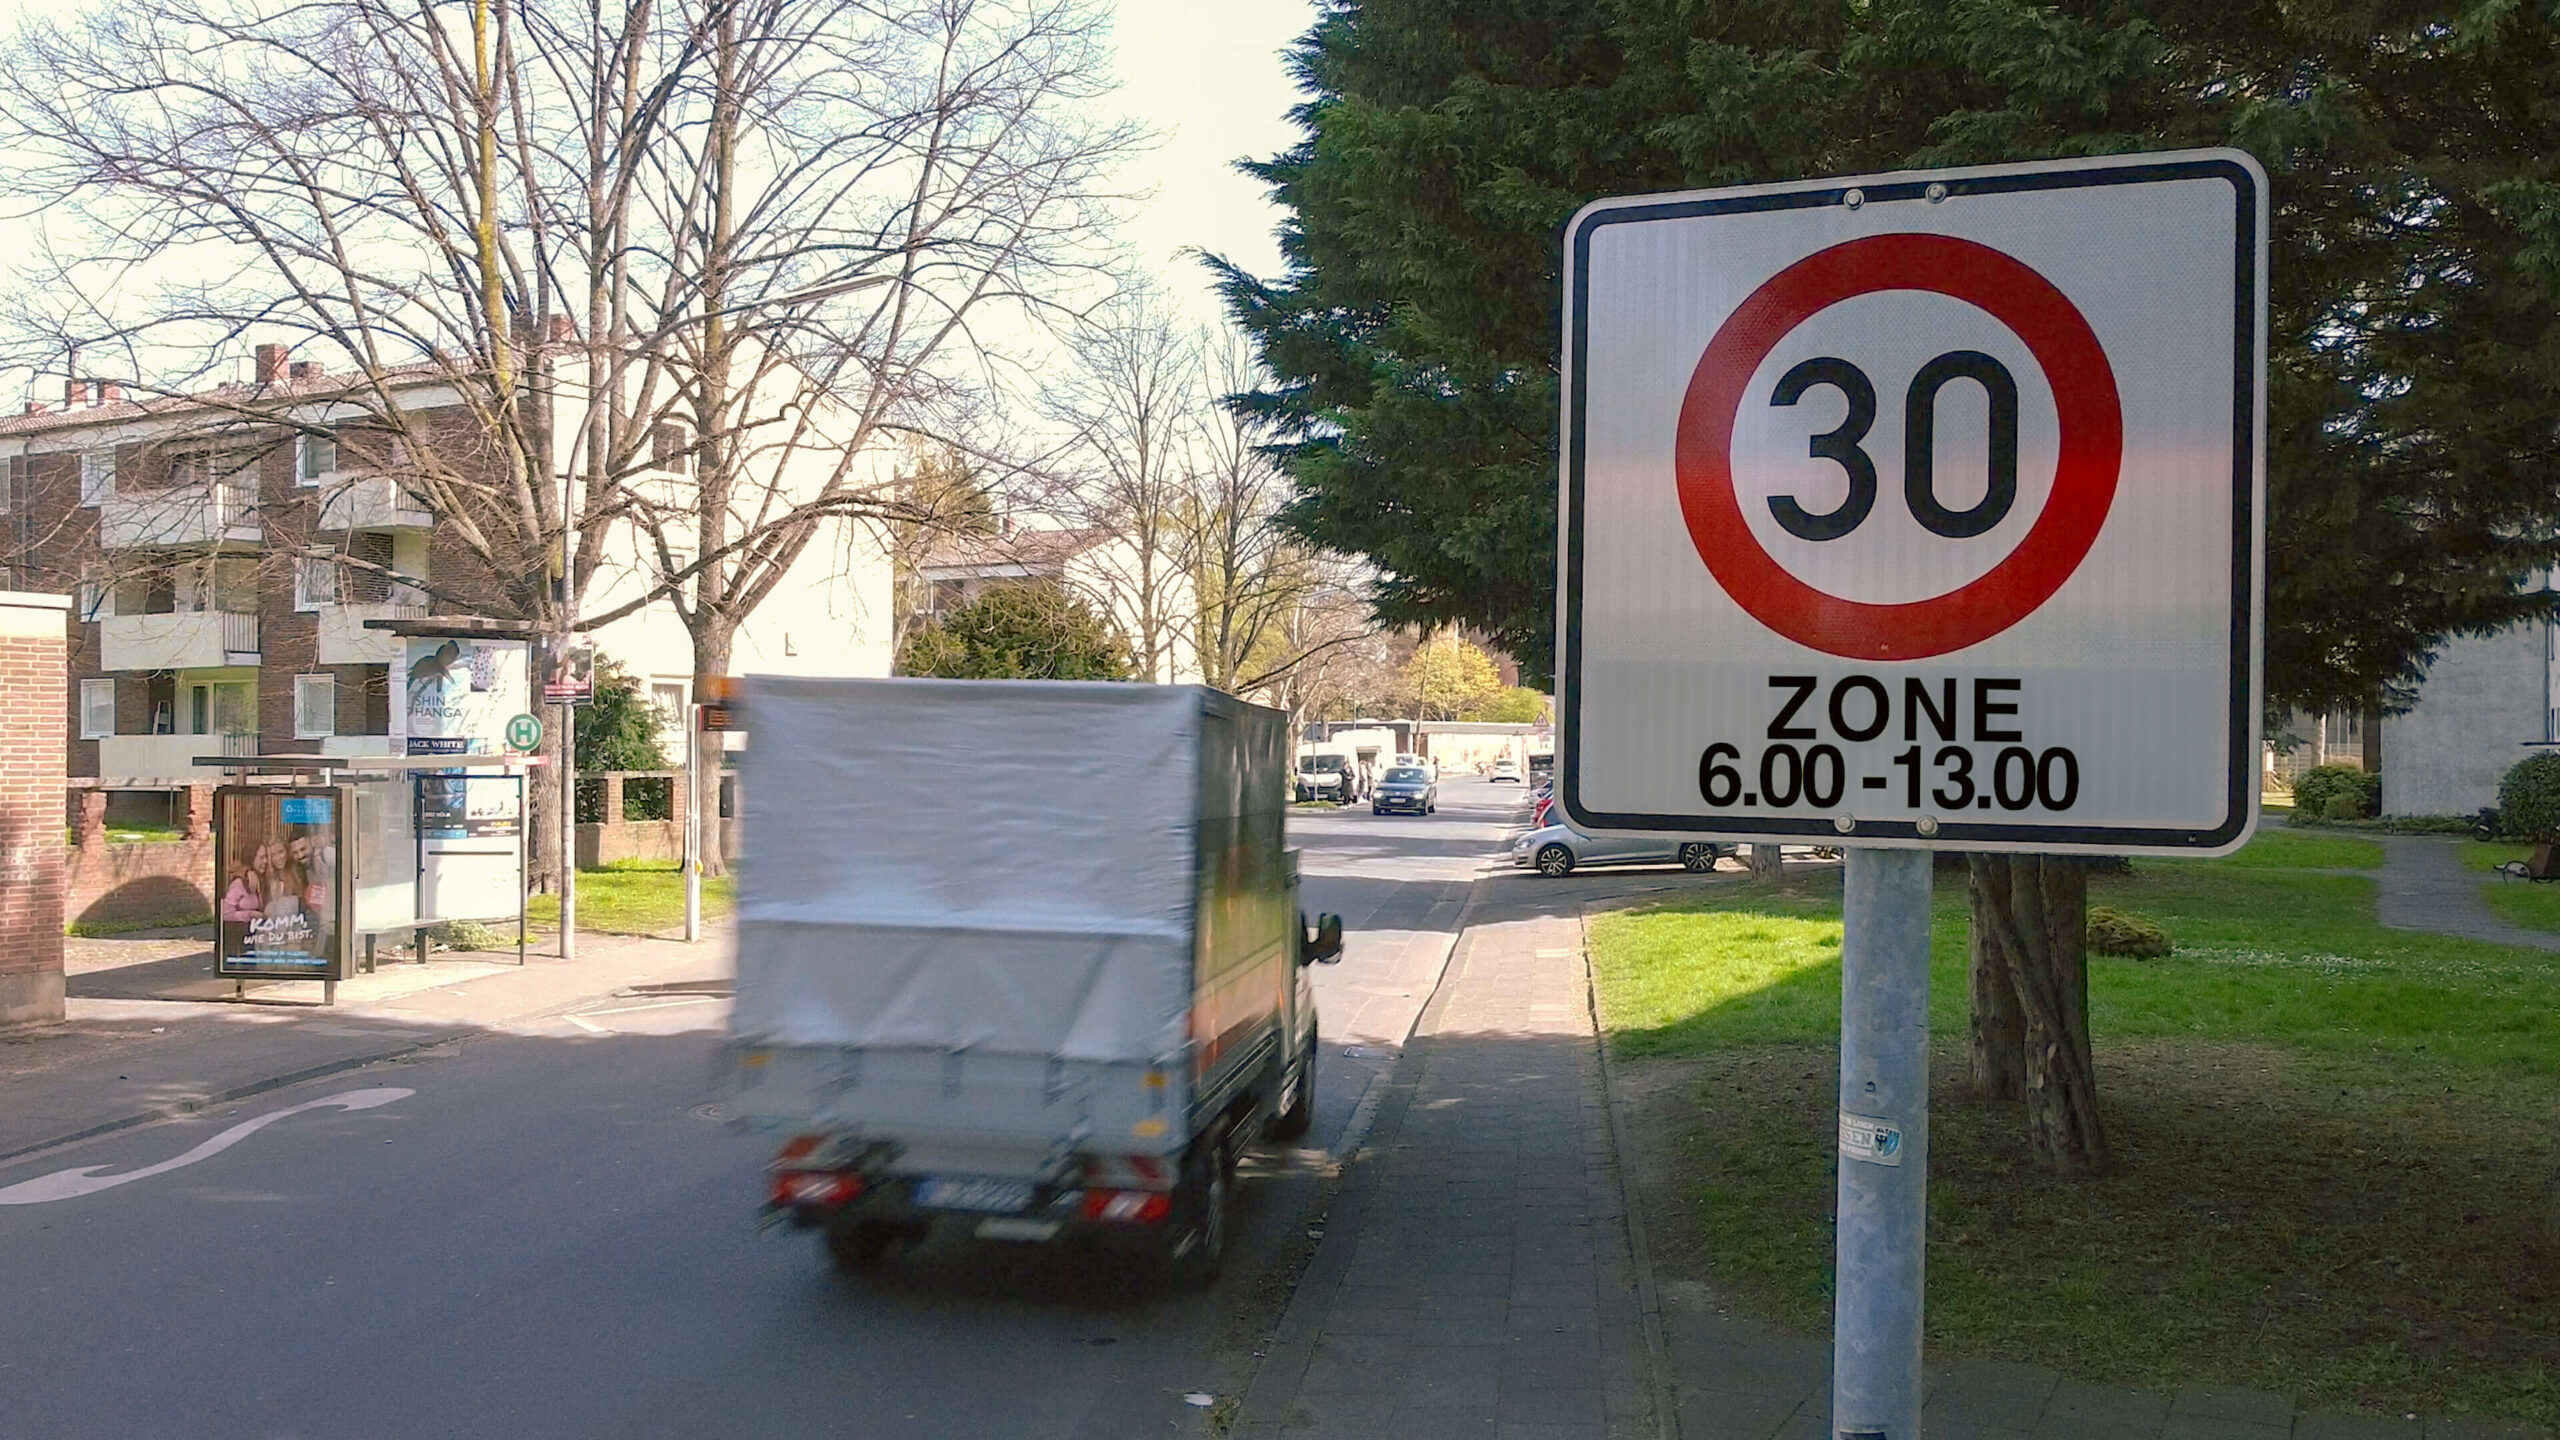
point(1913, 512)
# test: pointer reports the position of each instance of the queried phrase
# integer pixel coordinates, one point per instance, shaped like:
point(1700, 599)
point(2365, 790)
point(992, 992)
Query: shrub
point(2318, 788)
point(2529, 799)
point(2113, 932)
point(470, 935)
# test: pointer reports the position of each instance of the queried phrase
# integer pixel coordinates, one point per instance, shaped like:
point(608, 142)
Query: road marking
point(583, 1023)
point(71, 1184)
point(657, 1005)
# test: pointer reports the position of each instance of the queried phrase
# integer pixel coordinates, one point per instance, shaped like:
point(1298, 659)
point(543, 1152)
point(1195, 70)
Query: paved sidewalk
point(1475, 1279)
point(2423, 886)
point(122, 1062)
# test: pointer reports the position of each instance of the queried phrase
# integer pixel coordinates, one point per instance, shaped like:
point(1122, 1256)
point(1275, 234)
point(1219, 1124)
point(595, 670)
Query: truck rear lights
point(816, 1187)
point(1127, 1207)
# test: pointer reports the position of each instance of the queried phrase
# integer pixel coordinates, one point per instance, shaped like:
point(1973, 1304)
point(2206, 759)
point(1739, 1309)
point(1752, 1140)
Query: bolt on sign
point(1921, 509)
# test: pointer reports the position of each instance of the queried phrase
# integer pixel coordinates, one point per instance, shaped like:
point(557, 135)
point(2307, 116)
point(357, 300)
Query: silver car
point(1561, 849)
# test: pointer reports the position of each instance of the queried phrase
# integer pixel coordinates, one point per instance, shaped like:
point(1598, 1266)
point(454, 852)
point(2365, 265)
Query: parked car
point(1325, 777)
point(1406, 787)
point(1561, 849)
point(1506, 768)
point(1543, 807)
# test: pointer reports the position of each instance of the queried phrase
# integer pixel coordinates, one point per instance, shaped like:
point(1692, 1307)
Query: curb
point(196, 1105)
point(201, 1103)
point(1657, 1345)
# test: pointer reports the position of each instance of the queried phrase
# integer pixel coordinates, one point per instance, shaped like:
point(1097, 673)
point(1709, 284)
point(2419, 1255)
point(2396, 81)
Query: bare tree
point(1251, 577)
point(1132, 400)
point(675, 269)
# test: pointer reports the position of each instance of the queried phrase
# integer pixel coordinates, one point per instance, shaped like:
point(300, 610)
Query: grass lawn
point(634, 897)
point(2334, 1142)
point(131, 834)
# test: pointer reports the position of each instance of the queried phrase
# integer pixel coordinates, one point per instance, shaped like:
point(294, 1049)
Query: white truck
point(1019, 957)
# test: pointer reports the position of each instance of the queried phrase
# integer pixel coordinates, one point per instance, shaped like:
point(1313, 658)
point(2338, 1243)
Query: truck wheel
point(857, 1247)
point(1294, 1122)
point(1555, 861)
point(1209, 1192)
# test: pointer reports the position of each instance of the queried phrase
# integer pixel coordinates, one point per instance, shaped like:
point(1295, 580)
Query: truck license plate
point(1001, 1196)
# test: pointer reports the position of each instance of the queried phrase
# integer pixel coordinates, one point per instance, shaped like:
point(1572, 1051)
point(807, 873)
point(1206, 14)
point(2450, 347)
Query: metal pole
point(692, 825)
point(1884, 1145)
point(569, 712)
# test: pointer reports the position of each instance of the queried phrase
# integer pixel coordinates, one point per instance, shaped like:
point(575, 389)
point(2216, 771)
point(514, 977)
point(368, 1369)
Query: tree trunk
point(711, 647)
point(1767, 864)
point(1996, 1032)
point(2031, 913)
point(542, 799)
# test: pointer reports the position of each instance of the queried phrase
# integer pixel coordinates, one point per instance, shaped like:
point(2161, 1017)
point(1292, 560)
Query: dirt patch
point(2361, 1234)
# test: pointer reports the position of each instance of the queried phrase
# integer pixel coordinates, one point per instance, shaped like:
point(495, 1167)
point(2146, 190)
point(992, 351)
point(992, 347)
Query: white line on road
point(71, 1184)
point(583, 1023)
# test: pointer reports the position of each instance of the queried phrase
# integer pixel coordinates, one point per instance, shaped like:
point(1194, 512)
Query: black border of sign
point(2240, 802)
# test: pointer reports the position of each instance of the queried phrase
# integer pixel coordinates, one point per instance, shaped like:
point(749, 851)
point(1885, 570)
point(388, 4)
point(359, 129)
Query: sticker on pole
point(1919, 509)
point(1873, 1141)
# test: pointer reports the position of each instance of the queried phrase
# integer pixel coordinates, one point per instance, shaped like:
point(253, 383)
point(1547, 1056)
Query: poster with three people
point(282, 907)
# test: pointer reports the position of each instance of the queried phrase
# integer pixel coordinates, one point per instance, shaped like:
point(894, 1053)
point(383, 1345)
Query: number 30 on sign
point(1919, 509)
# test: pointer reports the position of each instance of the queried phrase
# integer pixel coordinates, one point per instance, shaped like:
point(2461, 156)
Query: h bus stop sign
point(1910, 512)
point(1919, 509)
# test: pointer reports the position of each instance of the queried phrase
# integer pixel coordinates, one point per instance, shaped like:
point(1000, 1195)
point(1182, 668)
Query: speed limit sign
point(1921, 509)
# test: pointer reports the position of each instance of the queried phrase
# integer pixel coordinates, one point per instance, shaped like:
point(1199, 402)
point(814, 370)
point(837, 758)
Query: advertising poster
point(282, 905)
point(570, 676)
point(456, 699)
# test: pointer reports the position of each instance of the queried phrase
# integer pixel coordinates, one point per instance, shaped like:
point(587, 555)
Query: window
point(319, 459)
point(92, 597)
point(97, 709)
point(668, 701)
point(315, 706)
point(315, 581)
point(97, 476)
point(670, 448)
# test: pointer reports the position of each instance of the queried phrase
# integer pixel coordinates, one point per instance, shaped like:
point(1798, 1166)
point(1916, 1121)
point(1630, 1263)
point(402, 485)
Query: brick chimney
point(306, 370)
point(75, 393)
point(109, 392)
point(271, 364)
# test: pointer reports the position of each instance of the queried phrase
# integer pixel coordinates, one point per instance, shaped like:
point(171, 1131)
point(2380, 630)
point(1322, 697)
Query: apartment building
point(223, 570)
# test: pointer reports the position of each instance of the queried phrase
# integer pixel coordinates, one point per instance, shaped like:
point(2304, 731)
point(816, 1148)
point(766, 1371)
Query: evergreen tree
point(2416, 263)
point(2415, 316)
point(1019, 632)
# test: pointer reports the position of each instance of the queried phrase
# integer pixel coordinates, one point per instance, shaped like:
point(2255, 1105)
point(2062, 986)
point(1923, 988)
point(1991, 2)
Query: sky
point(1207, 77)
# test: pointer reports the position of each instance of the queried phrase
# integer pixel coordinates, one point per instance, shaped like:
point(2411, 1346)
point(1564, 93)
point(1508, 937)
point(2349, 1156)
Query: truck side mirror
point(1326, 947)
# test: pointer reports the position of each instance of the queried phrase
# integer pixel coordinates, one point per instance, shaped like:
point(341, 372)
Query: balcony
point(186, 640)
point(207, 513)
point(167, 757)
point(370, 502)
point(345, 641)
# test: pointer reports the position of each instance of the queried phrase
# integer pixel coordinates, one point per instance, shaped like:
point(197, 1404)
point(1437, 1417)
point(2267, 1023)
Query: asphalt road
point(551, 1235)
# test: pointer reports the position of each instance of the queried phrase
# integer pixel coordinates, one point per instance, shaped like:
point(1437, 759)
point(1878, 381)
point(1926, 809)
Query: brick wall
point(162, 882)
point(33, 677)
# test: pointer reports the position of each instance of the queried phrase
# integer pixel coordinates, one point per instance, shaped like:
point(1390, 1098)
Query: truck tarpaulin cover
point(997, 866)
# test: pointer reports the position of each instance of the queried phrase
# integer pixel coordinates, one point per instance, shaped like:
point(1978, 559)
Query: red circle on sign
point(2084, 481)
